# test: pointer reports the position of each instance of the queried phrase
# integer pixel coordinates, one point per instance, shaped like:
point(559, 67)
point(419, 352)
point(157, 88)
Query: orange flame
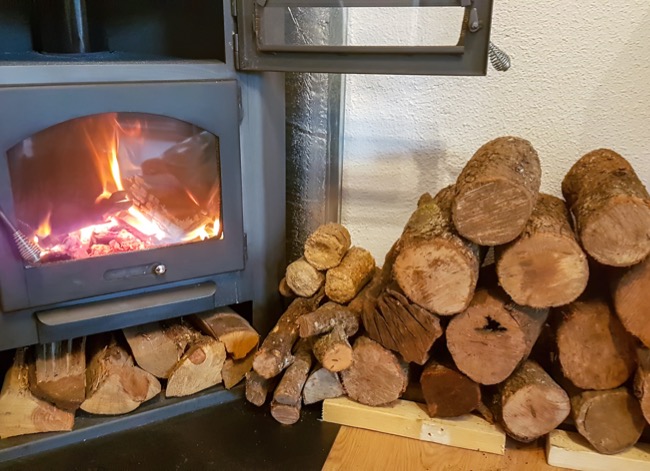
point(44, 229)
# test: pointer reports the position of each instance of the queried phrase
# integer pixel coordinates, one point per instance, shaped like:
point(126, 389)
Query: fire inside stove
point(116, 182)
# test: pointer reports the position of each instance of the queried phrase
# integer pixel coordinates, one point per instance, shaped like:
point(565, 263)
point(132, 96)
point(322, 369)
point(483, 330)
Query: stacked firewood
point(115, 373)
point(553, 328)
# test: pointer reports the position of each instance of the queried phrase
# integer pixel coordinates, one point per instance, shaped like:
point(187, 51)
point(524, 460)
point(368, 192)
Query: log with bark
point(287, 397)
point(493, 336)
point(258, 388)
point(23, 413)
point(333, 351)
point(376, 376)
point(529, 404)
point(630, 288)
point(345, 281)
point(322, 384)
point(284, 289)
point(326, 317)
point(58, 373)
point(234, 371)
point(199, 368)
point(327, 245)
point(611, 207)
point(642, 381)
point(594, 350)
point(275, 353)
point(303, 279)
point(496, 191)
point(448, 392)
point(225, 325)
point(545, 266)
point(435, 267)
point(114, 385)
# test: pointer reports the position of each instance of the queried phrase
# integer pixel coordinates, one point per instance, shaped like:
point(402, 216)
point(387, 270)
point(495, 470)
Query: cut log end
point(285, 414)
point(345, 281)
point(333, 350)
point(303, 279)
point(322, 384)
point(447, 392)
point(198, 369)
point(326, 246)
point(629, 293)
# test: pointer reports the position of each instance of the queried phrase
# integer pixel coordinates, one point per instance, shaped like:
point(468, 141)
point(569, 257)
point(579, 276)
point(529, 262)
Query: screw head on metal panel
point(160, 269)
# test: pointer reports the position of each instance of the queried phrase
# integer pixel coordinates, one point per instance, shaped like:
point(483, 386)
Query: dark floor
point(231, 436)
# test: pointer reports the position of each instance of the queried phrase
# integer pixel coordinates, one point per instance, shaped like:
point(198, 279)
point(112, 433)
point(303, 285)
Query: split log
point(303, 279)
point(611, 208)
point(333, 351)
point(435, 267)
point(287, 398)
point(235, 370)
point(448, 392)
point(322, 384)
point(258, 388)
point(325, 318)
point(642, 381)
point(376, 376)
point(157, 347)
point(529, 404)
point(198, 369)
point(58, 373)
point(630, 288)
point(344, 282)
point(284, 289)
point(594, 350)
point(22, 412)
point(327, 245)
point(496, 191)
point(610, 420)
point(114, 385)
point(545, 266)
point(225, 325)
point(275, 353)
point(493, 336)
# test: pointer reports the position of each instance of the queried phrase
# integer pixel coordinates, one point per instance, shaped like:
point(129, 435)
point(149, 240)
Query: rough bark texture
point(287, 398)
point(198, 369)
point(642, 381)
point(58, 373)
point(333, 351)
point(594, 350)
point(21, 412)
point(611, 420)
point(235, 370)
point(611, 208)
point(356, 305)
point(545, 266)
point(303, 279)
point(344, 282)
point(448, 392)
point(493, 336)
point(258, 388)
point(630, 288)
point(322, 384)
point(496, 191)
point(225, 325)
point(434, 266)
point(275, 353)
point(376, 376)
point(325, 318)
point(327, 245)
point(529, 404)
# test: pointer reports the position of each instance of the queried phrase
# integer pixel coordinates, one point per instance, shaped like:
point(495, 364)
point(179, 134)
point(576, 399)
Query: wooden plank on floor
point(570, 450)
point(408, 419)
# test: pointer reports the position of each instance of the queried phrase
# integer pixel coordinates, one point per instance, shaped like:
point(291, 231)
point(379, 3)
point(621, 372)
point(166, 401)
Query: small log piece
point(258, 388)
point(198, 369)
point(325, 318)
point(114, 385)
point(611, 208)
point(630, 288)
point(356, 305)
point(545, 266)
point(529, 404)
point(303, 279)
point(287, 398)
point(610, 420)
point(284, 289)
point(327, 245)
point(642, 381)
point(493, 336)
point(376, 376)
point(58, 373)
point(594, 350)
point(225, 325)
point(157, 347)
point(234, 371)
point(322, 384)
point(23, 413)
point(344, 282)
point(448, 392)
point(275, 353)
point(435, 267)
point(333, 351)
point(496, 191)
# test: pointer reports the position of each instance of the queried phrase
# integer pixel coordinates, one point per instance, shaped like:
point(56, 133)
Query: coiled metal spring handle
point(498, 58)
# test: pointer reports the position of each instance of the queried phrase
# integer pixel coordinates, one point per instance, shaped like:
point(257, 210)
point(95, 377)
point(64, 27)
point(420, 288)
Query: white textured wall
point(580, 80)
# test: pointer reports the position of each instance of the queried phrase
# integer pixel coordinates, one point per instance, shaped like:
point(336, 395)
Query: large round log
point(448, 392)
point(496, 191)
point(611, 208)
point(630, 288)
point(326, 246)
point(642, 381)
